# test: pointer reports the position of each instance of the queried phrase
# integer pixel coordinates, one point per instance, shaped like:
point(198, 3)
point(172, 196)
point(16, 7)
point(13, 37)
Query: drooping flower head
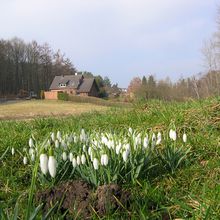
point(52, 163)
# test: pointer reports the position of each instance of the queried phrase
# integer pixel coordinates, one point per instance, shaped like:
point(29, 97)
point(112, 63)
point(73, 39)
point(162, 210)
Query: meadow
point(121, 163)
point(43, 108)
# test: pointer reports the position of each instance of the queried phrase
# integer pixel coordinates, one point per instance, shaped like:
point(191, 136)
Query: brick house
point(73, 85)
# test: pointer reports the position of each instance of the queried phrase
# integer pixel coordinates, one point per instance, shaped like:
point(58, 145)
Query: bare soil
point(79, 201)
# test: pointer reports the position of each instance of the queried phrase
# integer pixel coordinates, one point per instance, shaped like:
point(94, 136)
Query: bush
point(42, 96)
point(63, 96)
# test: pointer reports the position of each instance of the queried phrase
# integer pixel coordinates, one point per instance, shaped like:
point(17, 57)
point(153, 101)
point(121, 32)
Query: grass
point(41, 108)
point(191, 192)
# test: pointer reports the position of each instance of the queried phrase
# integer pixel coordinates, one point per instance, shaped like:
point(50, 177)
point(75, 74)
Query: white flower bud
point(59, 135)
point(33, 157)
point(44, 163)
point(52, 165)
point(63, 144)
point(74, 162)
point(159, 138)
point(104, 159)
point(146, 142)
point(125, 155)
point(118, 148)
point(57, 144)
point(64, 156)
point(25, 160)
point(84, 148)
point(12, 151)
point(130, 130)
point(31, 142)
point(70, 156)
point(96, 164)
point(172, 134)
point(83, 159)
point(53, 138)
point(78, 160)
point(184, 138)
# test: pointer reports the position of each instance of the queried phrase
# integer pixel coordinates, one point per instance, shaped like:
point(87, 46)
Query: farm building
point(73, 85)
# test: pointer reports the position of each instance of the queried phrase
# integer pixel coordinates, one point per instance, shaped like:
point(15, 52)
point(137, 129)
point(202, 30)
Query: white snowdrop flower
point(125, 155)
point(130, 130)
point(153, 140)
point(84, 148)
point(89, 151)
point(78, 160)
point(57, 144)
point(74, 162)
point(153, 137)
point(159, 138)
point(127, 147)
point(83, 159)
point(70, 139)
point(70, 156)
point(104, 159)
point(31, 151)
point(25, 160)
point(52, 166)
point(31, 142)
point(63, 144)
point(82, 136)
point(12, 151)
point(146, 142)
point(59, 137)
point(64, 156)
point(96, 164)
point(118, 148)
point(91, 156)
point(44, 163)
point(48, 142)
point(184, 138)
point(172, 134)
point(33, 157)
point(104, 140)
point(53, 138)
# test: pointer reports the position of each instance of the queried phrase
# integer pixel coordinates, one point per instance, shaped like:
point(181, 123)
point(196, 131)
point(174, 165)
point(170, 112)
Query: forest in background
point(29, 66)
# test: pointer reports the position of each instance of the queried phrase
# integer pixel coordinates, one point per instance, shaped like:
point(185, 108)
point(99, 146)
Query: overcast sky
point(117, 38)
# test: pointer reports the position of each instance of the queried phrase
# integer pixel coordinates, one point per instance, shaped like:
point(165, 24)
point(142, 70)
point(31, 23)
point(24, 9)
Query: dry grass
point(41, 108)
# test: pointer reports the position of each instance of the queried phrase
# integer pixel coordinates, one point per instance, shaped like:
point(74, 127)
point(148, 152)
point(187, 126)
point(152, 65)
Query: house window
point(61, 85)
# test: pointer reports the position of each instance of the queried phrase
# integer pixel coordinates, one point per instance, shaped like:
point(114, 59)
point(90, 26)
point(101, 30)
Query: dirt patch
point(79, 201)
point(111, 197)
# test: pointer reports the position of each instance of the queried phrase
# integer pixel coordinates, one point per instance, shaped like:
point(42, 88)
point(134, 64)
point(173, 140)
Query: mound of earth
point(78, 200)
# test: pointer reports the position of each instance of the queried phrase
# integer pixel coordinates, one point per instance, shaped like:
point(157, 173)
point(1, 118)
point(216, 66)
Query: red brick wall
point(50, 95)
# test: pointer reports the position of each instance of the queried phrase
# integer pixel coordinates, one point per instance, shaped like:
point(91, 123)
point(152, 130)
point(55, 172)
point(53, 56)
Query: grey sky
point(117, 38)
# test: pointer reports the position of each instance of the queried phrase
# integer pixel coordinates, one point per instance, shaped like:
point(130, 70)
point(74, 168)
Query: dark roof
point(86, 85)
point(83, 85)
point(71, 81)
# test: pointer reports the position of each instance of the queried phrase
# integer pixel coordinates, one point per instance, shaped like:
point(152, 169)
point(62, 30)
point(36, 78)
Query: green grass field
point(190, 191)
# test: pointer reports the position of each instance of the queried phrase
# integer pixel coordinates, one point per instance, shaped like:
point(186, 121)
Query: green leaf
point(35, 212)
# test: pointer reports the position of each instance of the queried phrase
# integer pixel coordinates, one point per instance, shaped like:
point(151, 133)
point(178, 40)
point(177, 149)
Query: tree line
point(195, 87)
point(29, 66)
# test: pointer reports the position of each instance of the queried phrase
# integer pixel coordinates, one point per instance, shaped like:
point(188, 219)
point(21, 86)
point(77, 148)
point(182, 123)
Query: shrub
point(42, 96)
point(63, 96)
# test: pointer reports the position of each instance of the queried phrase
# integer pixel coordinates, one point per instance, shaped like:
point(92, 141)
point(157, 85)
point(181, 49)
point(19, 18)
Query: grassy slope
point(192, 192)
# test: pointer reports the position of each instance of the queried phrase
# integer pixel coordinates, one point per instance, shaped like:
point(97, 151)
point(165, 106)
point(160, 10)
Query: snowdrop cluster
point(95, 150)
